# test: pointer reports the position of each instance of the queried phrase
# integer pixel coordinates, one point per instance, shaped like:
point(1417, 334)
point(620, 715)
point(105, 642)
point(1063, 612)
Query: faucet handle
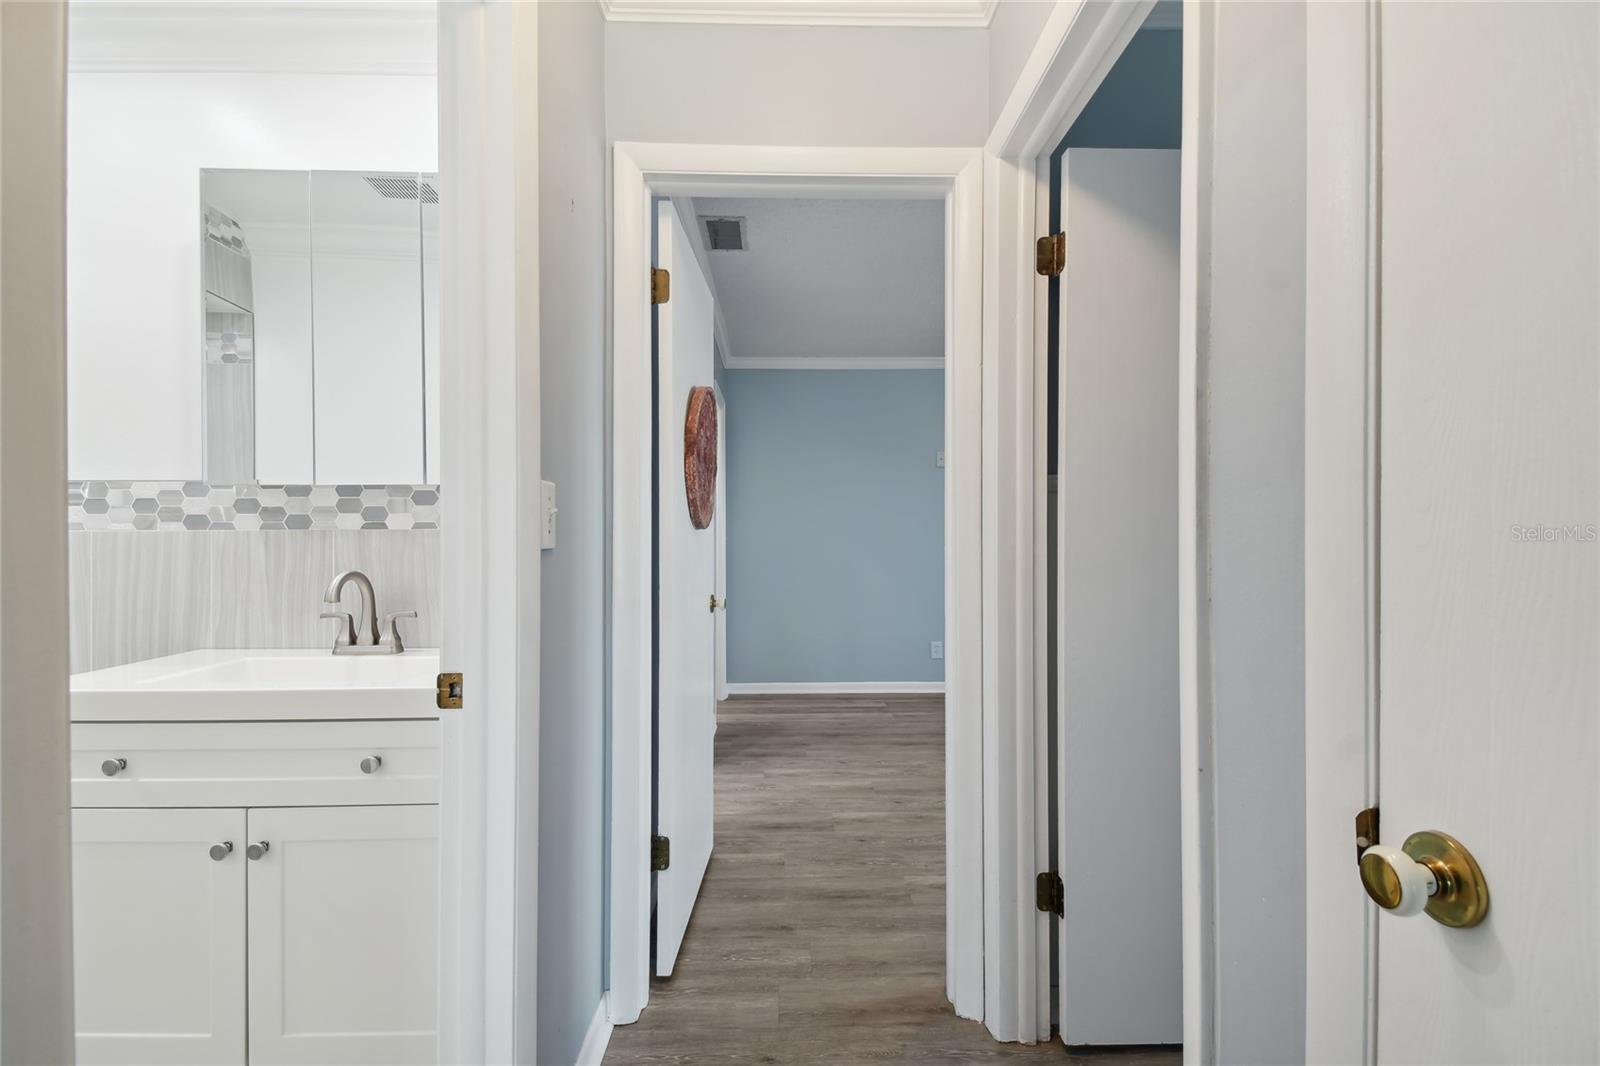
point(391, 630)
point(347, 631)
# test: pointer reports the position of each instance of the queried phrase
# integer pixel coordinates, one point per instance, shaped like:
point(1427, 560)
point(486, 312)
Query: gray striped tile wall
point(195, 505)
point(137, 595)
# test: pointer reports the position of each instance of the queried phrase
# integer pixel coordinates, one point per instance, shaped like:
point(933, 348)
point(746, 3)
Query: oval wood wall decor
point(700, 455)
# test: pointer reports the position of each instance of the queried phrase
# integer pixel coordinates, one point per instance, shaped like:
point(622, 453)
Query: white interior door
point(1490, 490)
point(719, 526)
point(1120, 959)
point(344, 935)
point(685, 576)
point(159, 936)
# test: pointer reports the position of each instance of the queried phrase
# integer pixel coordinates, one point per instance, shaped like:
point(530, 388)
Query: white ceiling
point(253, 36)
point(970, 13)
point(831, 282)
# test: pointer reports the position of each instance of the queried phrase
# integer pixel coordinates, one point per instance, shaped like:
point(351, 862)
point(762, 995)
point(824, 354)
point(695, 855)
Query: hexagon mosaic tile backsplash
point(196, 505)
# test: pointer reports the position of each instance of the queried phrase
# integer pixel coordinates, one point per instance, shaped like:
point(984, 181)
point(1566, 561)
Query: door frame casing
point(35, 842)
point(642, 172)
point(490, 542)
point(1341, 523)
point(1077, 47)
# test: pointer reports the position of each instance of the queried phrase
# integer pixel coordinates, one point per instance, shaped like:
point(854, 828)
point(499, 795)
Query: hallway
point(819, 933)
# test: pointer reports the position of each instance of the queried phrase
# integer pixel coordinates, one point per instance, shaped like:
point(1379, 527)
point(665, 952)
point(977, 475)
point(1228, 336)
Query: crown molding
point(834, 362)
point(949, 14)
point(252, 37)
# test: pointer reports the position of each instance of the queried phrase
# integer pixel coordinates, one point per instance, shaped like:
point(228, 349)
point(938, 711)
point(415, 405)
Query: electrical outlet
point(936, 649)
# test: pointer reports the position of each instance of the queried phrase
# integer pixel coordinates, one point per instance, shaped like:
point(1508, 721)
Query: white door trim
point(1341, 524)
point(644, 171)
point(489, 385)
point(35, 884)
point(834, 688)
point(1078, 45)
point(596, 1038)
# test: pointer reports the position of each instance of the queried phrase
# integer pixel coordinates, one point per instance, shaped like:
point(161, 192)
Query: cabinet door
point(343, 934)
point(159, 936)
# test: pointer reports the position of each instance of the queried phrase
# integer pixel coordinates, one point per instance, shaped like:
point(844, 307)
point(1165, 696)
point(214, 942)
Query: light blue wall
point(1140, 102)
point(835, 524)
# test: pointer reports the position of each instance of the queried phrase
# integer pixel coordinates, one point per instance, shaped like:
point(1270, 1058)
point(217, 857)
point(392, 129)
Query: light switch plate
point(940, 460)
point(936, 649)
point(547, 501)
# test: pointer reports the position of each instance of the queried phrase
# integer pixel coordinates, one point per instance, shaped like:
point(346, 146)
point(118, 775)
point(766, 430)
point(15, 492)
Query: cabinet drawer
point(254, 764)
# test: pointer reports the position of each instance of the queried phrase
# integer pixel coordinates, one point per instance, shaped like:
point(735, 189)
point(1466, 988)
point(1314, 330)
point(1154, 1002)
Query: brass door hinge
point(660, 853)
point(448, 692)
point(1366, 830)
point(660, 286)
point(1050, 255)
point(1050, 895)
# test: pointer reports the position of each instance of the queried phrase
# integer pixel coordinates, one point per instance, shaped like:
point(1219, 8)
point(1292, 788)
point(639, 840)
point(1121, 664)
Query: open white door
point(685, 582)
point(1489, 594)
point(1121, 942)
point(719, 525)
point(720, 528)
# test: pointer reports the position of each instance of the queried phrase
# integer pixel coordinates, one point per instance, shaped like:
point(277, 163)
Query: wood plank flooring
point(819, 933)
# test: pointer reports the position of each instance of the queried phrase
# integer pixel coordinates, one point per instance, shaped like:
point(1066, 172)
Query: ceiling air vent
point(724, 234)
point(391, 187)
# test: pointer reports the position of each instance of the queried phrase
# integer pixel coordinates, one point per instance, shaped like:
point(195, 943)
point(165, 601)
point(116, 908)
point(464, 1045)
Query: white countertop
point(259, 685)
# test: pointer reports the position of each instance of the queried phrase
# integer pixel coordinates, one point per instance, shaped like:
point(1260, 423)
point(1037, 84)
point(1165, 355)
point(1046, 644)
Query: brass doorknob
point(1430, 872)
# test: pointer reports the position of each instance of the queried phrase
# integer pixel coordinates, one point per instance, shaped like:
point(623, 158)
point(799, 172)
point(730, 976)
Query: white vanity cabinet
point(342, 934)
point(256, 891)
point(158, 930)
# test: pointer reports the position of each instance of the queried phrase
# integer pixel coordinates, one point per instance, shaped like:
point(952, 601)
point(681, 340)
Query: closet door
point(1121, 957)
point(343, 934)
point(158, 915)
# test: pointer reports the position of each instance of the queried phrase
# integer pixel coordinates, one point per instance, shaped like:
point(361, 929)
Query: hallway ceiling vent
point(391, 187)
point(724, 234)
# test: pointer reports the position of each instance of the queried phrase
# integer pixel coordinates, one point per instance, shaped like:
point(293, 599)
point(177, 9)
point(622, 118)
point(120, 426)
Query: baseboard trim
point(837, 688)
point(597, 1038)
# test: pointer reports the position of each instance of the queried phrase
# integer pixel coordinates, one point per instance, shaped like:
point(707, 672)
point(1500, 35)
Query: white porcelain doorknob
point(1432, 872)
point(1396, 882)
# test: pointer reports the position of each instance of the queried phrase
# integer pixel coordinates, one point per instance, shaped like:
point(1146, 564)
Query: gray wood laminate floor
point(819, 933)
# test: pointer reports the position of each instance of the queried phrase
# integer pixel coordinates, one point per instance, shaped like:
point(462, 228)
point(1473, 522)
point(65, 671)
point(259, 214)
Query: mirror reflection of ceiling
point(831, 280)
point(269, 197)
point(277, 210)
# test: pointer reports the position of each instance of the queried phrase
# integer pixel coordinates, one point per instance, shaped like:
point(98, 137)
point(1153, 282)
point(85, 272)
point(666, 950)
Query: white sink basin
point(216, 685)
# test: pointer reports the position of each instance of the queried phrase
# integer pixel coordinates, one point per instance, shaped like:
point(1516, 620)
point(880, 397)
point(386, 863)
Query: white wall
point(811, 85)
point(572, 334)
point(135, 147)
point(1013, 33)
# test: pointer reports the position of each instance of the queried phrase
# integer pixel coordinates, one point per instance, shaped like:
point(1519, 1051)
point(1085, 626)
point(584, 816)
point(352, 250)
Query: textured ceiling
point(858, 280)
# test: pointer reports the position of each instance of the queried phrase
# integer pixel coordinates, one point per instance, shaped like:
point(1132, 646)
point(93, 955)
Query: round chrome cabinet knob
point(371, 764)
point(1430, 872)
point(255, 851)
point(221, 851)
point(113, 767)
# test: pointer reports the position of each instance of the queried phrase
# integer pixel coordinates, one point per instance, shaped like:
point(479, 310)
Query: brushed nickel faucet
point(361, 637)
